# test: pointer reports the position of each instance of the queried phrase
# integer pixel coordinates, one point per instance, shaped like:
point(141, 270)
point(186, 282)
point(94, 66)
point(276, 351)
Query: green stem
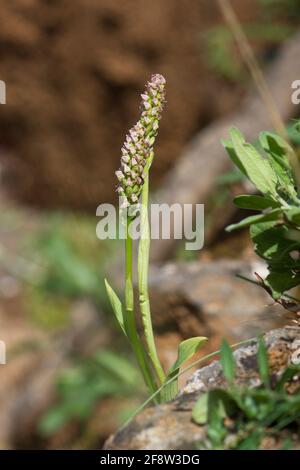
point(130, 324)
point(143, 268)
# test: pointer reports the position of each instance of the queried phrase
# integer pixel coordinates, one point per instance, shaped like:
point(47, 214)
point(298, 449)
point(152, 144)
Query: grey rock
point(208, 299)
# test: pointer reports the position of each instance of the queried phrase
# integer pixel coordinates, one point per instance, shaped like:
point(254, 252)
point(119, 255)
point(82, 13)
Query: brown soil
point(74, 69)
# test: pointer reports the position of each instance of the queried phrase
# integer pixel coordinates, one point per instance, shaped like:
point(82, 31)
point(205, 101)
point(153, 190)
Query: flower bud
point(139, 142)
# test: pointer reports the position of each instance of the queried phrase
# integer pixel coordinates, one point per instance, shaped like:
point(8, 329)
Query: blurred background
point(74, 71)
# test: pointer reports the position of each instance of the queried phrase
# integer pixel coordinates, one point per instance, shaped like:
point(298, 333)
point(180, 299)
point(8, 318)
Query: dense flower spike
point(139, 142)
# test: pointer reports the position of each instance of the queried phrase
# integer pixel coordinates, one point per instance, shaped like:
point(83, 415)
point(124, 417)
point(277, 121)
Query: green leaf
point(251, 442)
point(293, 215)
point(227, 144)
point(255, 202)
point(254, 219)
point(116, 305)
point(200, 410)
point(186, 350)
point(286, 377)
point(297, 126)
point(262, 362)
point(227, 361)
point(219, 406)
point(271, 243)
point(282, 281)
point(293, 130)
point(258, 169)
point(278, 151)
point(276, 147)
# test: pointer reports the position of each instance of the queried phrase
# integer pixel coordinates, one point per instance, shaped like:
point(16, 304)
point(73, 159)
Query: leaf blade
point(227, 361)
point(116, 305)
point(258, 169)
point(254, 202)
point(186, 350)
point(254, 219)
point(262, 362)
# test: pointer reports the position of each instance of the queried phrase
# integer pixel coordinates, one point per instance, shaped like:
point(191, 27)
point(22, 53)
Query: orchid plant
point(133, 189)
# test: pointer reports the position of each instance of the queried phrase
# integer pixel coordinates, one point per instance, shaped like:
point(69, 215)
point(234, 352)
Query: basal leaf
point(186, 350)
point(116, 305)
point(254, 202)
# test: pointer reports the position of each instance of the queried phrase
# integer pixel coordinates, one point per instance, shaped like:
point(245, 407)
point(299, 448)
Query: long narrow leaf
point(116, 305)
point(279, 151)
point(227, 361)
point(262, 362)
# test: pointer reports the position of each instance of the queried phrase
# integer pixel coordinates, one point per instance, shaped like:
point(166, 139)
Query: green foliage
point(116, 305)
point(227, 361)
point(80, 388)
point(255, 202)
point(239, 417)
point(273, 229)
point(262, 361)
point(186, 350)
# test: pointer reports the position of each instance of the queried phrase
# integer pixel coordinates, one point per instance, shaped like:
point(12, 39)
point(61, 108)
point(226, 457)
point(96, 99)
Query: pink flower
point(139, 142)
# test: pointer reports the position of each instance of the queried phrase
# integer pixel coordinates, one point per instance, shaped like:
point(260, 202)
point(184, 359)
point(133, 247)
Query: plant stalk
point(130, 323)
point(143, 269)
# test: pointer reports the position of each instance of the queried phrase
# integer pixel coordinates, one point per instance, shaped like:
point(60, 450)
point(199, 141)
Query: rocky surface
point(170, 427)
